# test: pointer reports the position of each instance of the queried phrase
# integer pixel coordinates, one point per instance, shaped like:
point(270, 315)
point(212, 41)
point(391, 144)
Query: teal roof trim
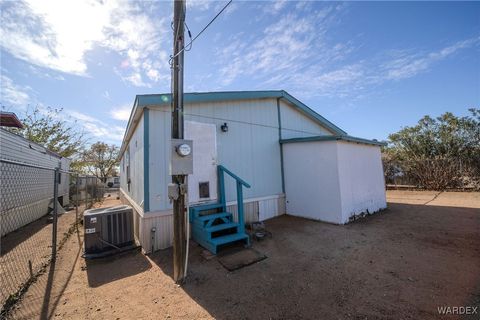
point(336, 138)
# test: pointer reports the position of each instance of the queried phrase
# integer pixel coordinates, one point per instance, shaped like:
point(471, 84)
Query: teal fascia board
point(198, 97)
point(146, 160)
point(335, 138)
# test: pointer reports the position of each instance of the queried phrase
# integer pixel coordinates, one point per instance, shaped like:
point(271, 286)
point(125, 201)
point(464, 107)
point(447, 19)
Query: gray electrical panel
point(181, 159)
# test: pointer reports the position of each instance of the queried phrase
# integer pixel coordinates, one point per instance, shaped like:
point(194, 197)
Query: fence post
point(92, 201)
point(86, 192)
point(76, 197)
point(55, 214)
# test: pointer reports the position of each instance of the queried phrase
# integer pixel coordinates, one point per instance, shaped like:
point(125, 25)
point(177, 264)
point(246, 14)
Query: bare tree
point(101, 160)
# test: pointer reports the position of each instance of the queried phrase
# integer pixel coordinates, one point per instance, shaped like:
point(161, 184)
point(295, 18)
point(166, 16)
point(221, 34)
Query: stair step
point(229, 238)
point(209, 217)
point(220, 227)
point(208, 206)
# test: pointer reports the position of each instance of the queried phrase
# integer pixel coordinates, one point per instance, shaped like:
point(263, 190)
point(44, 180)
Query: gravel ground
point(421, 253)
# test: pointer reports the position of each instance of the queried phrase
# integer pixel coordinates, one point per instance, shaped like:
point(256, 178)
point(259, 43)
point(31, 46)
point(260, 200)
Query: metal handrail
point(240, 183)
point(233, 175)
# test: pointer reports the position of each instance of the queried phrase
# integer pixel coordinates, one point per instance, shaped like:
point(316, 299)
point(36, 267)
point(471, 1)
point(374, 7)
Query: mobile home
point(27, 181)
point(294, 160)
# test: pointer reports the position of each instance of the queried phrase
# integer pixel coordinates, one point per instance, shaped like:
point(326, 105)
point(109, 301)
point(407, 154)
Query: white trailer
point(26, 188)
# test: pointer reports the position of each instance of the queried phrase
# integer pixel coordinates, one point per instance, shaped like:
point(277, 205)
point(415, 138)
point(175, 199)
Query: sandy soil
point(435, 198)
point(399, 264)
point(31, 244)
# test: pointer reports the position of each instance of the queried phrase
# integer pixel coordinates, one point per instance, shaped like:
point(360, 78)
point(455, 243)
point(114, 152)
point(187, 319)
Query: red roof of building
point(9, 119)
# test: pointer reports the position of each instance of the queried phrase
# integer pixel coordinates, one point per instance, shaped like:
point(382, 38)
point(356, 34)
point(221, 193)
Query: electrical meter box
point(181, 159)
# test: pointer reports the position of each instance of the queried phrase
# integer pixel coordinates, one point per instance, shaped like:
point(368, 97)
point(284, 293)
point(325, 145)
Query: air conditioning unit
point(108, 231)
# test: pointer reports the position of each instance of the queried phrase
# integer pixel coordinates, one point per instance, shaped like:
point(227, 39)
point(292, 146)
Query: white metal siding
point(311, 181)
point(361, 178)
point(136, 165)
point(26, 192)
point(250, 148)
point(333, 180)
point(295, 124)
point(160, 133)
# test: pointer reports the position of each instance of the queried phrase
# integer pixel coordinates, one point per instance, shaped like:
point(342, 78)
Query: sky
point(369, 67)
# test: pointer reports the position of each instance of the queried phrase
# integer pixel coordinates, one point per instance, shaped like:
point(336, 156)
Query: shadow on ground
point(109, 269)
point(401, 263)
point(15, 238)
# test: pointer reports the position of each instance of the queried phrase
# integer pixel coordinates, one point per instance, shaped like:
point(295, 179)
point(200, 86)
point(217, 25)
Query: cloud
point(96, 128)
point(12, 94)
point(201, 5)
point(406, 65)
point(83, 117)
point(58, 34)
point(296, 51)
point(52, 34)
point(140, 40)
point(293, 45)
point(105, 132)
point(121, 113)
point(274, 7)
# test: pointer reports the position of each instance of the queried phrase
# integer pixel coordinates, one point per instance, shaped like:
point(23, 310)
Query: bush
point(436, 154)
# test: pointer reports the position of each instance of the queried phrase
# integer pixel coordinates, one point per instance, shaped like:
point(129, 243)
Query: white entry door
point(202, 184)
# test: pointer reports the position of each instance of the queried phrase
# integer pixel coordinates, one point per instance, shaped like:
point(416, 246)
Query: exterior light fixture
point(224, 127)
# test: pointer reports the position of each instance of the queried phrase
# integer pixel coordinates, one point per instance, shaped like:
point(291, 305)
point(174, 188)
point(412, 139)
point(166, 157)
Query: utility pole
point(179, 221)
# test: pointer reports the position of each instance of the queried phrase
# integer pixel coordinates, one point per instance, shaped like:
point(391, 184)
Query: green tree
point(51, 129)
point(101, 160)
point(438, 153)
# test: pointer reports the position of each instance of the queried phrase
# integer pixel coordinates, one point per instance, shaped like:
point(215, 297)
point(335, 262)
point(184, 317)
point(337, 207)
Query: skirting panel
point(156, 231)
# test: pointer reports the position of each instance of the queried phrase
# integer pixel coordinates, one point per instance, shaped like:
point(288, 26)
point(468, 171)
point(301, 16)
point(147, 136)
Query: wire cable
point(204, 28)
point(189, 45)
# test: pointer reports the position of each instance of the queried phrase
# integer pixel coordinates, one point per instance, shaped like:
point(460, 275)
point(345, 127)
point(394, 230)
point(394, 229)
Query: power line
point(204, 28)
point(189, 46)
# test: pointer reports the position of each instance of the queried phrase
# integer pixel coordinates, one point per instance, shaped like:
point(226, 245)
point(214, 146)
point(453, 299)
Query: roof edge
point(313, 114)
point(335, 138)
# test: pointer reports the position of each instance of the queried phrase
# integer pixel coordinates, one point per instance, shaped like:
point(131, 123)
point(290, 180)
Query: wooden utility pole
point(179, 221)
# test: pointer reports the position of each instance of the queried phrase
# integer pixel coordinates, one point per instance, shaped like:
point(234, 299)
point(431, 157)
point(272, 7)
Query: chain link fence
point(39, 209)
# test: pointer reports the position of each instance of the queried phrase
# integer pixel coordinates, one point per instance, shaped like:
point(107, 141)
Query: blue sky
point(369, 67)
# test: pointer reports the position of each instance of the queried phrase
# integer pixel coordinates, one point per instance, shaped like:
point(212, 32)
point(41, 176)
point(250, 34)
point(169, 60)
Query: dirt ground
point(31, 244)
point(421, 253)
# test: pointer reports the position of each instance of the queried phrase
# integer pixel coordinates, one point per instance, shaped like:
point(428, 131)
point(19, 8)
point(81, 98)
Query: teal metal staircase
point(212, 226)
